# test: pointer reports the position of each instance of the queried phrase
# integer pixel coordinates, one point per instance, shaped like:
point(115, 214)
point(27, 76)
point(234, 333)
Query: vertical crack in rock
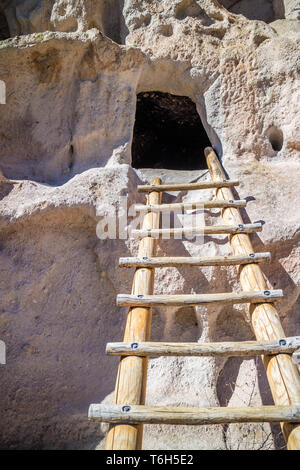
point(264, 10)
point(183, 326)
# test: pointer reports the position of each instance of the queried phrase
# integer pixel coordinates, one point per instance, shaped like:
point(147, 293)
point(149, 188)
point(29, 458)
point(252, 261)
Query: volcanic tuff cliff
point(73, 69)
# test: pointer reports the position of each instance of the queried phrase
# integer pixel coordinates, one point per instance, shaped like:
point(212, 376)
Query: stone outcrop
point(72, 70)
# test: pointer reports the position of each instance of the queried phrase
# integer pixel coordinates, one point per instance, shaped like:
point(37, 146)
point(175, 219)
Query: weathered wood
point(192, 416)
point(183, 206)
point(296, 358)
point(132, 372)
point(193, 231)
point(282, 373)
point(224, 349)
point(179, 261)
point(186, 186)
point(126, 300)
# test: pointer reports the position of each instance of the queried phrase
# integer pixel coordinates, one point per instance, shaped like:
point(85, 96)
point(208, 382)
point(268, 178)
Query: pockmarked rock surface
point(72, 70)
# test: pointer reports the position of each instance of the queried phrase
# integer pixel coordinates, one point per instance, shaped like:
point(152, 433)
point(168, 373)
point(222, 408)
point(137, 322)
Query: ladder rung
point(186, 186)
point(179, 206)
point(193, 261)
point(193, 231)
point(136, 414)
point(224, 349)
point(126, 300)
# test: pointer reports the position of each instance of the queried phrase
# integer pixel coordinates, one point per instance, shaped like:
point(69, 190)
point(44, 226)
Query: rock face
point(73, 69)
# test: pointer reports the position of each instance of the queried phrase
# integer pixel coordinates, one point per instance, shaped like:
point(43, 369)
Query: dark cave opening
point(168, 133)
point(4, 29)
point(112, 21)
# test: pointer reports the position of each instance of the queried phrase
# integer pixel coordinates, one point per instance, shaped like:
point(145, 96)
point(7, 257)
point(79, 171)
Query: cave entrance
point(4, 29)
point(168, 133)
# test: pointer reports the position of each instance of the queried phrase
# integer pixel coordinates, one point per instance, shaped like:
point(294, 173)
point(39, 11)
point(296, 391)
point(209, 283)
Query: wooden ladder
point(281, 355)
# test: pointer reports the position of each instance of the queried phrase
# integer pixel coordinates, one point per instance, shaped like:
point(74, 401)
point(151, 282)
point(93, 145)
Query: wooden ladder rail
point(132, 372)
point(282, 373)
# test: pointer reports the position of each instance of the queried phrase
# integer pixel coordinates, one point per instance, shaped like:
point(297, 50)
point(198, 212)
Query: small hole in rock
point(275, 136)
point(110, 20)
point(71, 157)
point(183, 326)
point(168, 133)
point(165, 30)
